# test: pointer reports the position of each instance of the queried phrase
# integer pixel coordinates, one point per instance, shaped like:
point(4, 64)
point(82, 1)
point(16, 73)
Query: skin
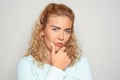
point(56, 34)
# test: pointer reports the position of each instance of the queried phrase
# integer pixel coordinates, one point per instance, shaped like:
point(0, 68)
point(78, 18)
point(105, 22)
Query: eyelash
point(55, 29)
point(67, 31)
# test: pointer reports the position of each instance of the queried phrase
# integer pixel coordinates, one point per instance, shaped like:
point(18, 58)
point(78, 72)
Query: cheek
point(67, 38)
point(47, 42)
point(48, 38)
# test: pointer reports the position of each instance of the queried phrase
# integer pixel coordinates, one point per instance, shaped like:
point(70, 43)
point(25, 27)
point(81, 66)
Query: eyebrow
point(55, 26)
point(60, 28)
point(69, 29)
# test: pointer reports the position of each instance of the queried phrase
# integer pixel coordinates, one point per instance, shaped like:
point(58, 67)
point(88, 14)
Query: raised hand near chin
point(59, 59)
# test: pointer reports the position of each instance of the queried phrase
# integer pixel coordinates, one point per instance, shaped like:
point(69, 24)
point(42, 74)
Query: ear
point(42, 33)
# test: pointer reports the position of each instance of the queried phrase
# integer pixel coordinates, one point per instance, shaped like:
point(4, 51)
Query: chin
point(57, 49)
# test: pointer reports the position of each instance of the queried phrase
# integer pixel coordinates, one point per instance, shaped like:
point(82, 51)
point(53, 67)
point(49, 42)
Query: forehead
point(60, 21)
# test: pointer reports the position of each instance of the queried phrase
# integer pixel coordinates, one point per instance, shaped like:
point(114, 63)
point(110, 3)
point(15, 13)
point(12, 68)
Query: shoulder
point(83, 59)
point(83, 68)
point(25, 61)
point(82, 63)
point(26, 69)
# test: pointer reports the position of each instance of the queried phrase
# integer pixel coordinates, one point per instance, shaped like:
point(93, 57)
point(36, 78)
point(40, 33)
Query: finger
point(52, 48)
point(62, 49)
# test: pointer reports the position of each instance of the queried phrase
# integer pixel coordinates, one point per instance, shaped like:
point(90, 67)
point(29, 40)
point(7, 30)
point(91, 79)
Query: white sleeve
point(24, 72)
point(55, 74)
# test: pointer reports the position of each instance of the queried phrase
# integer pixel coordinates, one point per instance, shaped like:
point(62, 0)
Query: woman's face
point(58, 31)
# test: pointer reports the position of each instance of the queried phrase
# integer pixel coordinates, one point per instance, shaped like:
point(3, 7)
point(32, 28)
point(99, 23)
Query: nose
point(61, 36)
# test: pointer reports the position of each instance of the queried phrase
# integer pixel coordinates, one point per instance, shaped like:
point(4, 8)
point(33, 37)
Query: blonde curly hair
point(37, 47)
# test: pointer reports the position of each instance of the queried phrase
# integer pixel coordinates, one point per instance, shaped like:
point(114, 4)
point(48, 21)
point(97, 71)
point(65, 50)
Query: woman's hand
point(59, 59)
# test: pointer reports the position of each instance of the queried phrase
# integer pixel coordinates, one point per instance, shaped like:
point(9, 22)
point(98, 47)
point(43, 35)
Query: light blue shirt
point(27, 69)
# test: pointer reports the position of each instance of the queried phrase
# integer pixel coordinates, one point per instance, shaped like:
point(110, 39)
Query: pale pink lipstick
point(59, 44)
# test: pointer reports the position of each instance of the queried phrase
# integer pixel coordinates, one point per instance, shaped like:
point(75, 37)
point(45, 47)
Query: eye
point(68, 31)
point(55, 29)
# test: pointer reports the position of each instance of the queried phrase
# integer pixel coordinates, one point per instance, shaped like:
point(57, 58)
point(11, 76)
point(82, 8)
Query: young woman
point(53, 53)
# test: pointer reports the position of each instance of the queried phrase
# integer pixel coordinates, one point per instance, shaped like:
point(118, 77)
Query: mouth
point(59, 44)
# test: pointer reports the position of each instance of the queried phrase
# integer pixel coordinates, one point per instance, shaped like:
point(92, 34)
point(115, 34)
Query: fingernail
point(51, 43)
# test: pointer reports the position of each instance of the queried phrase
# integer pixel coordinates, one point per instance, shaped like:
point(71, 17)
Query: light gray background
point(97, 27)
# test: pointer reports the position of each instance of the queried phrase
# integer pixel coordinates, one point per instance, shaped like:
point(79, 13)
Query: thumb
point(52, 48)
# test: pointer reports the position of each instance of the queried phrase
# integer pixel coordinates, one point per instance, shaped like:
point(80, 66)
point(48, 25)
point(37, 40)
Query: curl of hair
point(37, 47)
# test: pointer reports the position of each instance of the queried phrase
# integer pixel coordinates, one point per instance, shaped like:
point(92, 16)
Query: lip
point(59, 44)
